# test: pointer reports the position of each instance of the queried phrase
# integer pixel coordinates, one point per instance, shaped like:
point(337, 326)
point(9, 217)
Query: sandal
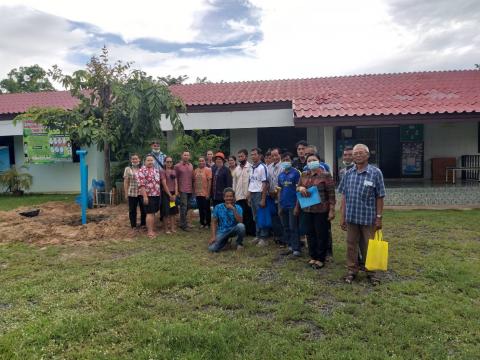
point(152, 235)
point(373, 280)
point(349, 278)
point(168, 232)
point(317, 264)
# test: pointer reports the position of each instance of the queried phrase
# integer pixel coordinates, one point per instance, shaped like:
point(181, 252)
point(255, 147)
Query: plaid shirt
point(326, 189)
point(129, 174)
point(361, 189)
point(273, 171)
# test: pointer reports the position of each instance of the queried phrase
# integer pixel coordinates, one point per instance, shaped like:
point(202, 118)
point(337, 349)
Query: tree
point(198, 142)
point(26, 79)
point(117, 107)
point(170, 80)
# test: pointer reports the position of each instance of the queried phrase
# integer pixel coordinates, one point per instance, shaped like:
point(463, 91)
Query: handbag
point(377, 253)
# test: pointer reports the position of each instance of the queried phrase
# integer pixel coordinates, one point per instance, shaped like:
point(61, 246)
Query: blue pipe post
point(83, 184)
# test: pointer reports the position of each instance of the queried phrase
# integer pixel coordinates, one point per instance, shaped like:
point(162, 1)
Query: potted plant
point(14, 181)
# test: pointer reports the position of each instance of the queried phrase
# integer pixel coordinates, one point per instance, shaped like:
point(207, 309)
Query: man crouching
point(226, 223)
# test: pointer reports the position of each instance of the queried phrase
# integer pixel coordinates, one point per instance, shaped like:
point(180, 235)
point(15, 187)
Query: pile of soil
point(60, 223)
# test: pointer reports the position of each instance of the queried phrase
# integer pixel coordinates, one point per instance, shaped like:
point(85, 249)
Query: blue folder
point(313, 199)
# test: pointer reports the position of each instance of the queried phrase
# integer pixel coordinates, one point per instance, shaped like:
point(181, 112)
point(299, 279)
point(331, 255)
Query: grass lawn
point(170, 299)
point(9, 202)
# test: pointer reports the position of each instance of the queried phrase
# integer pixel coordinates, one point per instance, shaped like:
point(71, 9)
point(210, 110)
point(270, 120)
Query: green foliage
point(171, 80)
point(26, 79)
point(15, 181)
point(198, 143)
point(9, 202)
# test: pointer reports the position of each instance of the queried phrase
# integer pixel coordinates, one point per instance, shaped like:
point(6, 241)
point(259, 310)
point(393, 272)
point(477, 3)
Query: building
point(412, 122)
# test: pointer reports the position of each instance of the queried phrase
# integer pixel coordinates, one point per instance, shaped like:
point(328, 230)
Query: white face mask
point(347, 163)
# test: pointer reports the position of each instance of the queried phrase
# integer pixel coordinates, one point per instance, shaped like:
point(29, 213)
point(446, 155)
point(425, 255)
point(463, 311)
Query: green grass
point(170, 299)
point(9, 202)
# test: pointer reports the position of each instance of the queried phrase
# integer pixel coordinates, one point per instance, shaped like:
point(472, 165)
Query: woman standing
point(169, 196)
point(221, 179)
point(202, 183)
point(317, 216)
point(232, 163)
point(130, 186)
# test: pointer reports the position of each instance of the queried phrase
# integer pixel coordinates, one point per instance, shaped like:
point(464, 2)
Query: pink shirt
point(184, 177)
point(170, 175)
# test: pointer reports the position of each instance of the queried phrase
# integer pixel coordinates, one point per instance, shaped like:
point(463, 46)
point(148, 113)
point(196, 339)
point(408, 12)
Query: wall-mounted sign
point(45, 147)
point(411, 133)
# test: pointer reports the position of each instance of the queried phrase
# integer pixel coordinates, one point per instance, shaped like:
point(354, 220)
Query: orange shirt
point(201, 177)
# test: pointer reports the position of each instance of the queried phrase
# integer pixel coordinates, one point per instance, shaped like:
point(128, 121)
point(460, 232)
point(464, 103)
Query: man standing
point(287, 182)
point(347, 162)
point(301, 161)
point(148, 178)
point(226, 223)
point(240, 186)
point(361, 211)
point(184, 173)
point(158, 155)
point(257, 192)
point(274, 170)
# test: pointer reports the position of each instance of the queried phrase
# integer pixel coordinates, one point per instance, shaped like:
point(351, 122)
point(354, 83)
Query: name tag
point(368, 183)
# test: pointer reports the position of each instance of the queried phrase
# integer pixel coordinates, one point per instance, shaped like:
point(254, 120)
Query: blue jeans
point(222, 238)
point(290, 229)
point(255, 199)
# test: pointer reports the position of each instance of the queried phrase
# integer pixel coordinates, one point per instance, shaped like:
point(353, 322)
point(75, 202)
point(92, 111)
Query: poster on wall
point(412, 158)
point(45, 147)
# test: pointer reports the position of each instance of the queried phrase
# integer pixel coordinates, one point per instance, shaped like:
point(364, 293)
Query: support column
point(329, 145)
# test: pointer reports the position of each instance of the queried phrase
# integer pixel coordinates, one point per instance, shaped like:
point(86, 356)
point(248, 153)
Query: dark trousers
point(330, 240)
point(247, 217)
point(290, 229)
point(317, 234)
point(133, 202)
point(204, 210)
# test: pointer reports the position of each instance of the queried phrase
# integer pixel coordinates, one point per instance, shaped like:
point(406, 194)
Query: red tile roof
point(21, 102)
point(383, 94)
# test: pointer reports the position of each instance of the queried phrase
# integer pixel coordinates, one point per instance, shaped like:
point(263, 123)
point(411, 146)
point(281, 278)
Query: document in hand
point(313, 199)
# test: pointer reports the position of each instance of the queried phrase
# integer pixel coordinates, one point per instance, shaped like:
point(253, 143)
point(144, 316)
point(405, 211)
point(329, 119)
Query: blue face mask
point(313, 165)
point(286, 165)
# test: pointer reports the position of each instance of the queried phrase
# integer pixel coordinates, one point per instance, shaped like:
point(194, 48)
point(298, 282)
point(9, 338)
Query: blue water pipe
point(83, 184)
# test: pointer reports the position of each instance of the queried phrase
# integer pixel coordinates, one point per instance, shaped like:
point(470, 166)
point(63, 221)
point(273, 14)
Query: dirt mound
point(60, 223)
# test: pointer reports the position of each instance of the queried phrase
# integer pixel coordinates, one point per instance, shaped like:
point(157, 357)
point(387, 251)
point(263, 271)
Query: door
point(390, 152)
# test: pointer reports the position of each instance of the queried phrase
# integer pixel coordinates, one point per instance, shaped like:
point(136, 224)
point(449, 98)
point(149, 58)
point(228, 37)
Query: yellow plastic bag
point(377, 253)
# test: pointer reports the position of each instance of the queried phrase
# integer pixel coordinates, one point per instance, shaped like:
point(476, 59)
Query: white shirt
point(240, 178)
point(258, 175)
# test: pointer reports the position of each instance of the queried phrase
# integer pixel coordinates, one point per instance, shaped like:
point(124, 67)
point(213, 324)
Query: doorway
point(390, 152)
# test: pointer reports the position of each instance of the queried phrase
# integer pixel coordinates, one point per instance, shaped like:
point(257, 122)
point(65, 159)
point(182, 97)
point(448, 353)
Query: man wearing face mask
point(158, 155)
point(240, 186)
point(347, 162)
point(287, 182)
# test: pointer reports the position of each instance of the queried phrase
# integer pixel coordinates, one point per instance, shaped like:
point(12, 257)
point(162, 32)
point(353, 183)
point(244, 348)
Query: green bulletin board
point(45, 147)
point(411, 133)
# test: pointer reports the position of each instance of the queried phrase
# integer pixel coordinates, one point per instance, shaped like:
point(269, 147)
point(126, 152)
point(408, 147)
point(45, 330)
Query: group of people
point(262, 198)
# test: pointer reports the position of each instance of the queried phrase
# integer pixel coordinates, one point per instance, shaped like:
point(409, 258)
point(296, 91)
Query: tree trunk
point(106, 166)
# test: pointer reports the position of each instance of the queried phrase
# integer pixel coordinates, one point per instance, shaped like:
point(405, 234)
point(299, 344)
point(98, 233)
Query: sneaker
point(262, 243)
point(239, 247)
point(297, 253)
point(286, 253)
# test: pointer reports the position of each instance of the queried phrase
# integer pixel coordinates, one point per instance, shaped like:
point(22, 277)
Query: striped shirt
point(129, 174)
point(361, 189)
point(326, 189)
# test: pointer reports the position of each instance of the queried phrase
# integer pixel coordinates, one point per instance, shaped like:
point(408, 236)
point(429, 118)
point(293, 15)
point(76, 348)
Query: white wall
point(449, 140)
point(315, 136)
point(62, 176)
point(242, 139)
point(7, 128)
point(234, 120)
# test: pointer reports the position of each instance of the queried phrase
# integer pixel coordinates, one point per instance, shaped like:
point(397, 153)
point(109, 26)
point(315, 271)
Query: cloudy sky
point(244, 39)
